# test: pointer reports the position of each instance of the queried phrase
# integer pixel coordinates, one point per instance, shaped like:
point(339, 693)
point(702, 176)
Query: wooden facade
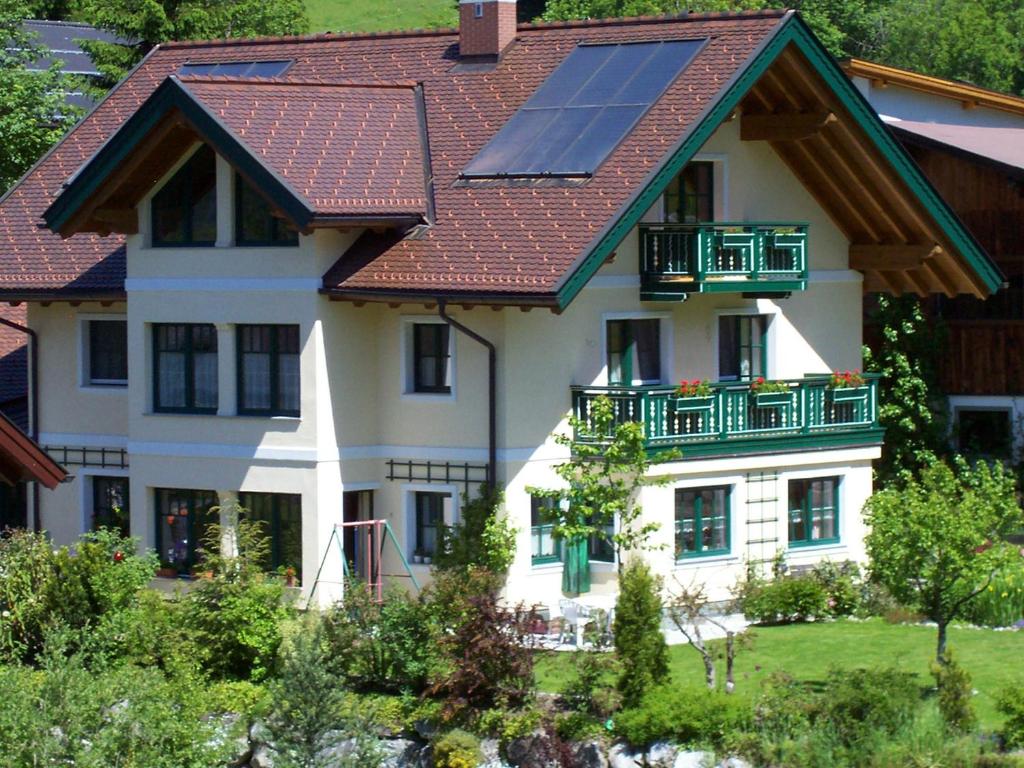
point(984, 349)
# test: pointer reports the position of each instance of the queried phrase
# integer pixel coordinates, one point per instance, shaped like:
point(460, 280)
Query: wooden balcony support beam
point(891, 257)
point(787, 126)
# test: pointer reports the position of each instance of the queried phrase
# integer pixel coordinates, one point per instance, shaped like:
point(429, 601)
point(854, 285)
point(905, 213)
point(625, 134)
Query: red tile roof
point(21, 458)
point(487, 239)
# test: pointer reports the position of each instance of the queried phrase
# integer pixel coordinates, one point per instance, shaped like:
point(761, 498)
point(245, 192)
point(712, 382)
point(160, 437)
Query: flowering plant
point(847, 379)
point(695, 388)
point(760, 386)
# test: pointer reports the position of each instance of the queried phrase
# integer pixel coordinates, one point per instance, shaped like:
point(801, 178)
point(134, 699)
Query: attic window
point(574, 120)
point(236, 68)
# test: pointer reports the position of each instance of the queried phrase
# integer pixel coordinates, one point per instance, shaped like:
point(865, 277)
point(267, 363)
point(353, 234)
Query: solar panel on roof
point(581, 112)
point(236, 68)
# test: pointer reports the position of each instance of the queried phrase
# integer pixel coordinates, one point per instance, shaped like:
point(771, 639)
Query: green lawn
point(377, 15)
point(994, 659)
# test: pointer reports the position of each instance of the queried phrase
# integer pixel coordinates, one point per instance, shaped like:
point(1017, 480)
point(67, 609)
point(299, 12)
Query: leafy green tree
point(905, 358)
point(147, 23)
point(639, 642)
point(33, 113)
point(481, 539)
point(609, 466)
point(937, 542)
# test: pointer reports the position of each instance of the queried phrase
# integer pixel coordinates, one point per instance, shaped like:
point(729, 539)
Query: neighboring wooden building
point(969, 142)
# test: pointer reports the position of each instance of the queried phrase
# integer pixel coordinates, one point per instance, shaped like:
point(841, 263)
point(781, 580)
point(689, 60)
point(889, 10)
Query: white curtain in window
point(205, 379)
point(256, 375)
point(288, 382)
point(171, 387)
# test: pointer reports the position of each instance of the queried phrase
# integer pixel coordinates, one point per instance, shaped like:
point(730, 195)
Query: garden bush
point(1001, 603)
point(842, 584)
point(457, 749)
point(481, 539)
point(785, 600)
point(954, 694)
point(389, 646)
point(236, 613)
point(639, 642)
point(1011, 706)
point(687, 716)
point(589, 690)
point(26, 569)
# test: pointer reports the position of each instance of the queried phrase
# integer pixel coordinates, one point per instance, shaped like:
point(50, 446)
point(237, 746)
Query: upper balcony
point(717, 257)
point(809, 414)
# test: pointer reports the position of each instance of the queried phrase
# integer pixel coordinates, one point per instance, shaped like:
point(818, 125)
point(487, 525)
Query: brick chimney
point(486, 27)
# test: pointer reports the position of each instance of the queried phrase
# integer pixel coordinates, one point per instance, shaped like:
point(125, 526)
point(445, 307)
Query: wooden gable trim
point(24, 459)
point(982, 274)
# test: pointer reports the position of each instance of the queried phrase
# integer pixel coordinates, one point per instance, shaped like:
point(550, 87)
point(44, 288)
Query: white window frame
point(770, 312)
point(408, 364)
point(452, 510)
point(666, 343)
point(85, 382)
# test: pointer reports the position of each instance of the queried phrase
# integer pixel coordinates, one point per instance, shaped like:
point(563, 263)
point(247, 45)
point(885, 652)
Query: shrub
point(589, 691)
point(785, 600)
point(457, 749)
point(482, 538)
point(842, 585)
point(26, 568)
point(1011, 704)
point(697, 717)
point(1001, 603)
point(390, 646)
point(486, 645)
point(639, 642)
point(955, 691)
point(237, 613)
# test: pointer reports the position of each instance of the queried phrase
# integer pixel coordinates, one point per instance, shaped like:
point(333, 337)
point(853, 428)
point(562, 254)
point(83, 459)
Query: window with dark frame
point(601, 549)
point(544, 547)
point(110, 504)
point(813, 511)
point(702, 521)
point(255, 225)
point(984, 433)
point(690, 196)
point(280, 517)
point(184, 211)
point(634, 352)
point(108, 353)
point(268, 370)
point(183, 521)
point(184, 368)
point(431, 358)
point(429, 520)
point(742, 347)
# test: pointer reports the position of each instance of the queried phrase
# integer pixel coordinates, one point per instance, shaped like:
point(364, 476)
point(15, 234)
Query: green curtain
point(576, 570)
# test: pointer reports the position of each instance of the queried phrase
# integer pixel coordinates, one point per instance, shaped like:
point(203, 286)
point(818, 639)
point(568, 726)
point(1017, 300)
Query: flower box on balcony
point(849, 394)
point(773, 399)
point(697, 404)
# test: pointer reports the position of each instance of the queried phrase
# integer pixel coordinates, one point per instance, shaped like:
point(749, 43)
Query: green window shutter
point(576, 572)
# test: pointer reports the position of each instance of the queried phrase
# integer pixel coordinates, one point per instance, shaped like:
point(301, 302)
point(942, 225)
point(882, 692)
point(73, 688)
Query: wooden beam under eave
point(124, 221)
point(890, 257)
point(791, 126)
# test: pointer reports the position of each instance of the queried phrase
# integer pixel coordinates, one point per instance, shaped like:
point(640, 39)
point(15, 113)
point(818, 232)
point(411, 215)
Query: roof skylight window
point(574, 120)
point(236, 68)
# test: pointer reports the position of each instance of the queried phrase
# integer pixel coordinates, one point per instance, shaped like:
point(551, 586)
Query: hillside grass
point(807, 651)
point(379, 15)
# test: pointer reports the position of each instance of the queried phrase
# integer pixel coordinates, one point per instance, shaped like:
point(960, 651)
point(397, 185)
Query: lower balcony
point(808, 414)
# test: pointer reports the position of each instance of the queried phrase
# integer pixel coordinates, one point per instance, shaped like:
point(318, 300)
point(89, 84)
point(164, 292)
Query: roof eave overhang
point(791, 30)
point(32, 461)
point(63, 293)
point(431, 296)
point(169, 96)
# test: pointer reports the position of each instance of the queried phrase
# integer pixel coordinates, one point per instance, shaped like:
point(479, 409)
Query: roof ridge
point(61, 23)
point(319, 37)
point(245, 80)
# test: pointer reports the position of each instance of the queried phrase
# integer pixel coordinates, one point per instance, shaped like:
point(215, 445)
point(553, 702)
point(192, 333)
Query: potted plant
point(771, 393)
point(289, 577)
point(696, 395)
point(426, 559)
point(167, 571)
point(417, 556)
point(847, 387)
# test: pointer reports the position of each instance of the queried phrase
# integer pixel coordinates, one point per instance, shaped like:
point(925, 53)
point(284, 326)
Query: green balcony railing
point(734, 419)
point(761, 257)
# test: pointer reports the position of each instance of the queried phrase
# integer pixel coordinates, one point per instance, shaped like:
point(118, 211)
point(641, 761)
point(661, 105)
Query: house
point(62, 41)
point(969, 142)
point(343, 279)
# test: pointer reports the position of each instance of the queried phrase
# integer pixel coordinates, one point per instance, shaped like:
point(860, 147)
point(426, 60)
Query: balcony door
point(690, 196)
point(634, 352)
point(358, 541)
point(742, 347)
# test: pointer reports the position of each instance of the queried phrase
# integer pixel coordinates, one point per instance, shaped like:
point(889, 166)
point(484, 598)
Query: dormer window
point(185, 209)
point(690, 197)
point(254, 223)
